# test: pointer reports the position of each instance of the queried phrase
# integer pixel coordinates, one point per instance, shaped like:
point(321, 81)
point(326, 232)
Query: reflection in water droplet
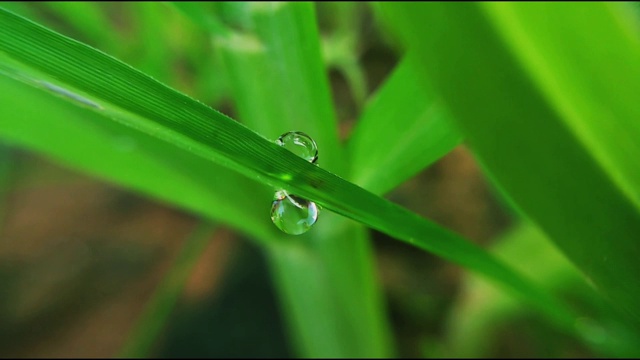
point(300, 144)
point(291, 213)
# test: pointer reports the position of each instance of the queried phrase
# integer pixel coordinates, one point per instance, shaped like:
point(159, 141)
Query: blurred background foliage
point(82, 261)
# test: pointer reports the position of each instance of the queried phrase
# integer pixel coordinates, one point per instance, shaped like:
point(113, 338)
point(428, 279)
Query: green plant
point(160, 142)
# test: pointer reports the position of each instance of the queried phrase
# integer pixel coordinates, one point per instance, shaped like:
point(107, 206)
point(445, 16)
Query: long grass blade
point(286, 59)
point(102, 84)
point(552, 113)
point(402, 130)
point(87, 141)
point(151, 322)
point(481, 309)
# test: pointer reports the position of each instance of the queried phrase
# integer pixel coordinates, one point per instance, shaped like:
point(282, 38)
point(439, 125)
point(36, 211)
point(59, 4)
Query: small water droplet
point(293, 214)
point(290, 213)
point(300, 144)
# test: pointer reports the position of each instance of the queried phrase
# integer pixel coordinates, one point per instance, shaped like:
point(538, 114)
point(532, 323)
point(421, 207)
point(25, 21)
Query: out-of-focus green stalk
point(157, 311)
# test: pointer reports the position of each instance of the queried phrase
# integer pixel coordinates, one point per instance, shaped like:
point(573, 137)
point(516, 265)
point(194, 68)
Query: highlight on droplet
point(293, 214)
point(300, 144)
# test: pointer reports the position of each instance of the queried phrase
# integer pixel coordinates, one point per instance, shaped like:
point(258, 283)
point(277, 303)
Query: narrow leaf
point(402, 130)
point(85, 140)
point(136, 100)
point(279, 47)
point(151, 322)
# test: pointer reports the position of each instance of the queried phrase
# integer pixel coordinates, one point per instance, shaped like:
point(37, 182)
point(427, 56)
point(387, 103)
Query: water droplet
point(290, 213)
point(300, 144)
point(293, 214)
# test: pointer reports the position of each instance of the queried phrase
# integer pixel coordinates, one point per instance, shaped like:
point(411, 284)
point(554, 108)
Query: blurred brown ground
point(80, 258)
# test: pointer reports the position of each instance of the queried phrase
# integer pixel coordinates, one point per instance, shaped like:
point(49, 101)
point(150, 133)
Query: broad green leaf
point(101, 84)
point(151, 322)
point(403, 129)
point(546, 95)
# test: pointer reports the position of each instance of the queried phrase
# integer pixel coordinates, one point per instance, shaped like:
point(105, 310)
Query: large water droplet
point(293, 214)
point(300, 144)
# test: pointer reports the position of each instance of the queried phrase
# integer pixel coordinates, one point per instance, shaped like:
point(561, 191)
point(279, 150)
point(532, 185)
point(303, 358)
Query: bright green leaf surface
point(482, 308)
point(351, 322)
point(77, 137)
point(546, 95)
point(280, 57)
point(341, 47)
point(138, 101)
point(157, 56)
point(402, 130)
point(202, 16)
point(93, 25)
point(21, 8)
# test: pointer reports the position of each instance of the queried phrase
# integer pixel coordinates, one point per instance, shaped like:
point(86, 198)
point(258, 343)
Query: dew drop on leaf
point(300, 144)
point(290, 213)
point(293, 214)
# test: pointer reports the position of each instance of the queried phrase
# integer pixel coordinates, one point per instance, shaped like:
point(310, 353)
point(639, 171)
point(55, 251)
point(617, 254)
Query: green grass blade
point(77, 136)
point(151, 322)
point(552, 112)
point(133, 99)
point(89, 20)
point(327, 317)
point(341, 46)
point(336, 315)
point(211, 82)
point(482, 308)
point(152, 29)
point(351, 322)
point(403, 129)
point(283, 51)
point(7, 164)
point(202, 16)
point(22, 8)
